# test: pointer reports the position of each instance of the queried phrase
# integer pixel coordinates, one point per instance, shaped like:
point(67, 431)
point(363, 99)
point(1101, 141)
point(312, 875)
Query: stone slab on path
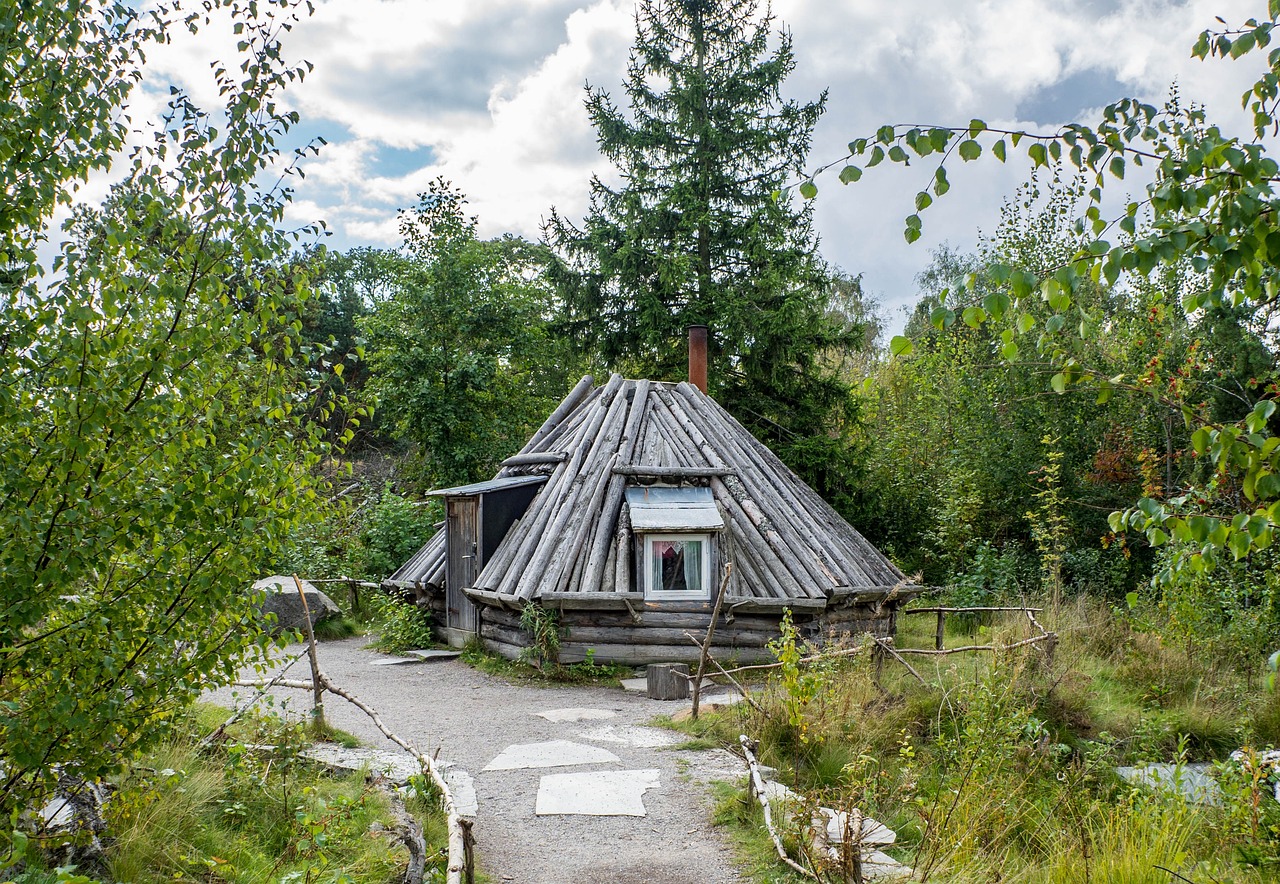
point(397, 766)
point(433, 655)
point(576, 714)
point(463, 788)
point(595, 793)
point(636, 685)
point(641, 737)
point(553, 753)
point(394, 661)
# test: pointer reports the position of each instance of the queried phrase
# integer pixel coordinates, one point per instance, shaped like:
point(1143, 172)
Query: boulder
point(283, 601)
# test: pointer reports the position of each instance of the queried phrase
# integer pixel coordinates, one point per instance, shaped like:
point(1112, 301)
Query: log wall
point(658, 636)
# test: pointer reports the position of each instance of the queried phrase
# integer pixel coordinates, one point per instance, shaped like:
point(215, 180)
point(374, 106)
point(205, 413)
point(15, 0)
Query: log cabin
point(623, 513)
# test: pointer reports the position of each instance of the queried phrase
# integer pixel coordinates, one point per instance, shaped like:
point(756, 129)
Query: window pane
point(676, 565)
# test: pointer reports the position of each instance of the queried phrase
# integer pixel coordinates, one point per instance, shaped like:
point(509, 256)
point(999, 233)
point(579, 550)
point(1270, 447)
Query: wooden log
point(668, 681)
point(560, 439)
point(656, 635)
point(688, 429)
point(643, 471)
point(610, 572)
point(788, 545)
point(706, 642)
point(501, 557)
point(612, 504)
point(640, 655)
point(503, 649)
point(546, 569)
point(622, 568)
point(787, 494)
point(546, 505)
point(779, 605)
point(515, 637)
point(590, 600)
point(696, 620)
point(768, 556)
point(535, 458)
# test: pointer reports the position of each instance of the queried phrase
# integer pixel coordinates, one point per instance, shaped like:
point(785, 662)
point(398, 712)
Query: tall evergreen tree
point(701, 232)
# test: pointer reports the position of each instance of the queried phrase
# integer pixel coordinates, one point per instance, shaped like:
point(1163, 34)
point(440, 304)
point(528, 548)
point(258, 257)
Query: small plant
point(799, 687)
point(543, 627)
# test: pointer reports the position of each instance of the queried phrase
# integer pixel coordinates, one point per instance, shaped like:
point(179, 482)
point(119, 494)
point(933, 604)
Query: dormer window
point(674, 526)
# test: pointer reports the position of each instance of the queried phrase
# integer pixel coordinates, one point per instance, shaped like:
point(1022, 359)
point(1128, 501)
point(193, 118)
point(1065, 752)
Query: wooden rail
point(942, 613)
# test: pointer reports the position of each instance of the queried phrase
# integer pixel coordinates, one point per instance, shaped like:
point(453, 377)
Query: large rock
point(283, 601)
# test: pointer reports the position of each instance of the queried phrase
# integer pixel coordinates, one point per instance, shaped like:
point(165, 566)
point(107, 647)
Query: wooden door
point(462, 522)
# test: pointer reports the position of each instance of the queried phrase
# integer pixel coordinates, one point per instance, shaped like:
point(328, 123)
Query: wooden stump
point(668, 681)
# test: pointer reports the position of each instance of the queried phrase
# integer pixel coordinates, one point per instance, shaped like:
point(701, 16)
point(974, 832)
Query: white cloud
point(491, 92)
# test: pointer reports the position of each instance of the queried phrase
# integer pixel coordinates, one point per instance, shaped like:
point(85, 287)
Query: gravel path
point(471, 717)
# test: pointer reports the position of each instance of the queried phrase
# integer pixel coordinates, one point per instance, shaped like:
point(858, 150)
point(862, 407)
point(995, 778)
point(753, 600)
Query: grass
point(334, 628)
point(1001, 768)
point(478, 657)
point(237, 813)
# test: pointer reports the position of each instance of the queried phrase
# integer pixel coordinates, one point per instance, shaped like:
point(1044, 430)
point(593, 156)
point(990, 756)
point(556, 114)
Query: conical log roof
point(784, 540)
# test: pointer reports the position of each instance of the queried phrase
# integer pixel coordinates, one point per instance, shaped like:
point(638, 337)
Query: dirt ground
point(470, 717)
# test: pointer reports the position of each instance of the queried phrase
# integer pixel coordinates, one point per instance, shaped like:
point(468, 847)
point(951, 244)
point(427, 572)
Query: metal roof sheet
point(663, 508)
point(484, 487)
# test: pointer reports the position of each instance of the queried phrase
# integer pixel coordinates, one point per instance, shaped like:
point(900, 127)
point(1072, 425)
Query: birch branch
point(757, 786)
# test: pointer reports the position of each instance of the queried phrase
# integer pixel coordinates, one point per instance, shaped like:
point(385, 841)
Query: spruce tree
point(702, 231)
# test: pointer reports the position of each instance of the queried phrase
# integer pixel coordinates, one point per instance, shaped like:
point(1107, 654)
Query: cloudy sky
point(488, 93)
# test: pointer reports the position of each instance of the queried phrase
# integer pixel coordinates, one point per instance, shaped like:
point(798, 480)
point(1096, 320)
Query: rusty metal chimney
point(698, 356)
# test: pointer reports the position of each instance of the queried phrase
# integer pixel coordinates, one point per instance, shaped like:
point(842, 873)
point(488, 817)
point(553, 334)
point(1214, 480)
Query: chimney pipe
point(698, 356)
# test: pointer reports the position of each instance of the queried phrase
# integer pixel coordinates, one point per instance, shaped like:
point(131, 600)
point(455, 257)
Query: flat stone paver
point(394, 661)
point(397, 766)
point(595, 793)
point(643, 737)
point(576, 714)
point(435, 654)
point(638, 685)
point(553, 753)
point(463, 788)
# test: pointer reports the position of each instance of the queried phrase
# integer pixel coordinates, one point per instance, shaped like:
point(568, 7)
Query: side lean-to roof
point(784, 540)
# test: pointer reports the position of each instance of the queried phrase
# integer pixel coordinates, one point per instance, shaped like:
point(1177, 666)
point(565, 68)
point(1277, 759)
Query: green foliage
point(459, 351)
point(401, 625)
point(797, 687)
point(242, 814)
point(365, 535)
point(1048, 523)
point(1233, 612)
point(589, 671)
point(1207, 215)
point(1001, 771)
point(543, 628)
point(154, 445)
point(396, 529)
point(700, 233)
point(969, 407)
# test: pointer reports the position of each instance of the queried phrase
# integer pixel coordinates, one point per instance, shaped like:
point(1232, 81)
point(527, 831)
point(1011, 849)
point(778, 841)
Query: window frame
point(647, 561)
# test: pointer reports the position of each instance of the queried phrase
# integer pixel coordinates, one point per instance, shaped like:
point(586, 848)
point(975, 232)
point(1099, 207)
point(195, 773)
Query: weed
point(543, 628)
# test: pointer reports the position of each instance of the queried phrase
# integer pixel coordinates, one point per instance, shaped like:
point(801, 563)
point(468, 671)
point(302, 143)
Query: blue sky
point(489, 94)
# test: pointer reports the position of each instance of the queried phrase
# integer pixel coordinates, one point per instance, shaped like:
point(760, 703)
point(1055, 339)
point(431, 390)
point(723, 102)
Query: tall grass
point(1002, 767)
point(237, 813)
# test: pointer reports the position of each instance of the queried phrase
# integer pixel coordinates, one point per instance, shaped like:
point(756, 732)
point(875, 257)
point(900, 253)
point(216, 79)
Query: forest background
point(192, 394)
